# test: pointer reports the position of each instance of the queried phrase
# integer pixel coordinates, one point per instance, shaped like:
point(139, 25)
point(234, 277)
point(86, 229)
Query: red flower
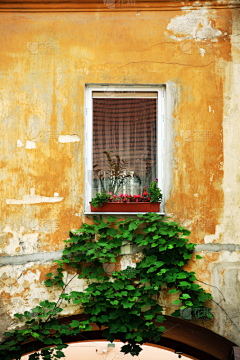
point(149, 199)
point(145, 193)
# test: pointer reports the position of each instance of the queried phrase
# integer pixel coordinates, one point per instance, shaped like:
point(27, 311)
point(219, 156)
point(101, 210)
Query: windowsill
point(119, 213)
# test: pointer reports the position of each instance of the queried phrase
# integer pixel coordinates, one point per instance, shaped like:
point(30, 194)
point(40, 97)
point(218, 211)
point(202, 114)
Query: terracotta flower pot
point(127, 207)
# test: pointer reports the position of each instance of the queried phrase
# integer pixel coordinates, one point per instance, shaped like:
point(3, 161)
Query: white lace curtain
point(124, 144)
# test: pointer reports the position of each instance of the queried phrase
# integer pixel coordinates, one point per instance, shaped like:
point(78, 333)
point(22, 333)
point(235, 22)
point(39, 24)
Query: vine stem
point(218, 304)
point(212, 286)
point(233, 323)
point(64, 288)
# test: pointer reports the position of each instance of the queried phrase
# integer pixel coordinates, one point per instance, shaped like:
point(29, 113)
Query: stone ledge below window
point(119, 213)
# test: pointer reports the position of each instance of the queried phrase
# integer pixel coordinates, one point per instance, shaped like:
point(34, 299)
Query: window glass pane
point(124, 144)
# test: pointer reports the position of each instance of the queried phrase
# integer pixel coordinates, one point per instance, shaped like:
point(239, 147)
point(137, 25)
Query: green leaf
point(56, 327)
point(195, 287)
point(149, 317)
point(49, 274)
point(134, 225)
point(185, 296)
point(126, 304)
point(59, 354)
point(130, 287)
point(112, 232)
point(139, 238)
point(185, 284)
point(198, 257)
point(49, 282)
point(189, 303)
point(103, 318)
point(173, 291)
point(111, 219)
point(182, 275)
point(160, 318)
point(74, 324)
point(115, 302)
point(176, 302)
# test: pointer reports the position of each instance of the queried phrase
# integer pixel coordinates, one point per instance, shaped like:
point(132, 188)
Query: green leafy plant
point(100, 199)
point(154, 192)
point(125, 303)
point(116, 175)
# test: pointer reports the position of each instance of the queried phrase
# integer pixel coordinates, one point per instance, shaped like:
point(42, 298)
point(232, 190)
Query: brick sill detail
point(119, 213)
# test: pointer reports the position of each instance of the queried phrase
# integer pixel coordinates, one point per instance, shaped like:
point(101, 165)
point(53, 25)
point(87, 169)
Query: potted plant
point(116, 173)
point(149, 201)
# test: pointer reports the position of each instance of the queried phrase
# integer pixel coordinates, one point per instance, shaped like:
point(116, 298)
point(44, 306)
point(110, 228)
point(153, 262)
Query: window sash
point(155, 91)
point(123, 95)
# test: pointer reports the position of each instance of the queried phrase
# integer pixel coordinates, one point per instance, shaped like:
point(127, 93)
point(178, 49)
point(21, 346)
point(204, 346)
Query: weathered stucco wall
point(45, 61)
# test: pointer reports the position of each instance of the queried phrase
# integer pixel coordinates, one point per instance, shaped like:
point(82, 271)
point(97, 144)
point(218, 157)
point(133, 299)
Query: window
point(124, 136)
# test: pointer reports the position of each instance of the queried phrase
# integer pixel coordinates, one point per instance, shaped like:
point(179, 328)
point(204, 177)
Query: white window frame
point(88, 136)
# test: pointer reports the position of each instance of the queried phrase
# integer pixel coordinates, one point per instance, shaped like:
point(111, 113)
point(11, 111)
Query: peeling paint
point(126, 261)
point(19, 143)
point(68, 138)
point(195, 25)
point(5, 319)
point(19, 243)
point(211, 238)
point(30, 144)
point(34, 199)
point(24, 288)
point(202, 51)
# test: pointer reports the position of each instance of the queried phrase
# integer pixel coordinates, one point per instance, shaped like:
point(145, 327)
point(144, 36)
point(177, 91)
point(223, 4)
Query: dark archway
point(195, 341)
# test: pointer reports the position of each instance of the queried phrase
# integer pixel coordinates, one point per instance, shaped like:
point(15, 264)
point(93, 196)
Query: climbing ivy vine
point(124, 303)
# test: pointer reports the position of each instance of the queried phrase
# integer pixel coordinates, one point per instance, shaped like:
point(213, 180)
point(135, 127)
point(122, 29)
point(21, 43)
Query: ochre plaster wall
point(45, 61)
